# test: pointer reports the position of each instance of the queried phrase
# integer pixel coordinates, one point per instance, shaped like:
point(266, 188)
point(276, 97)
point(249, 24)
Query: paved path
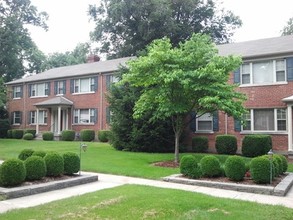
point(109, 181)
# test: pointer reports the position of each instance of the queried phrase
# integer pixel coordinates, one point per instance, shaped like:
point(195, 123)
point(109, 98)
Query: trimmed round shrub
point(17, 133)
point(28, 137)
point(226, 144)
point(71, 163)
point(256, 145)
point(260, 170)
point(68, 135)
point(104, 135)
point(12, 172)
point(210, 166)
point(48, 136)
point(275, 165)
point(284, 163)
point(235, 168)
point(54, 163)
point(87, 134)
point(9, 133)
point(200, 144)
point(35, 168)
point(39, 153)
point(25, 153)
point(280, 163)
point(30, 131)
point(189, 167)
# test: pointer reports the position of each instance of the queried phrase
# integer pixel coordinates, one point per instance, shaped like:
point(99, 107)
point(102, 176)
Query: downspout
point(24, 107)
point(100, 110)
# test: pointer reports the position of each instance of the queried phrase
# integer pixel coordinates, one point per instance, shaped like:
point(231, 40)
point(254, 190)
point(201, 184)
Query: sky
point(69, 23)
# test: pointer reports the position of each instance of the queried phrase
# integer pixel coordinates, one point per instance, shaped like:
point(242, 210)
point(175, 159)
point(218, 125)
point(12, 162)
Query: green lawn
point(144, 202)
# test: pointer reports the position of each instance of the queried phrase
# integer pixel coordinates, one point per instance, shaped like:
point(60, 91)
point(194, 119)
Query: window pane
point(247, 119)
point(264, 120)
point(280, 76)
point(282, 125)
point(281, 114)
point(41, 117)
point(263, 72)
point(280, 65)
point(41, 89)
point(204, 125)
point(84, 116)
point(246, 68)
point(246, 79)
point(84, 85)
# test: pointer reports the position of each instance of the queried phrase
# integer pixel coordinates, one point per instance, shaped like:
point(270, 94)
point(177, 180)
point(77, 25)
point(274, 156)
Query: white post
point(37, 121)
point(59, 120)
point(290, 130)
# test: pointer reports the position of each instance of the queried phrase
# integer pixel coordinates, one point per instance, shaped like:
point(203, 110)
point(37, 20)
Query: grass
point(145, 202)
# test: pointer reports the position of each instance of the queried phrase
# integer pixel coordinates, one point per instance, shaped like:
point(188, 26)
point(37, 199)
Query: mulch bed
point(48, 179)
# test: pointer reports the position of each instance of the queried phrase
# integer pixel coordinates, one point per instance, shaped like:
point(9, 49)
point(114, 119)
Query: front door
point(63, 121)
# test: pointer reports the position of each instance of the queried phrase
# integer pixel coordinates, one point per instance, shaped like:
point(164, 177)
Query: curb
point(280, 190)
point(9, 193)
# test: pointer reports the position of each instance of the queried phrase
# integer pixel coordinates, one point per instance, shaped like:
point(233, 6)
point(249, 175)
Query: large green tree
point(288, 29)
point(125, 27)
point(18, 53)
point(190, 77)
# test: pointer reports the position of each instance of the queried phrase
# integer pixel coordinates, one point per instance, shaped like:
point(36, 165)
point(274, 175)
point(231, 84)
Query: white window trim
point(80, 123)
point(58, 88)
point(89, 86)
point(14, 97)
point(15, 117)
point(204, 131)
point(36, 95)
point(45, 113)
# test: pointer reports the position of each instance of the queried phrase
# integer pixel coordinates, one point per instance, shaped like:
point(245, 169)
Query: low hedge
point(71, 163)
point(235, 168)
point(4, 127)
point(48, 136)
point(87, 135)
point(189, 167)
point(256, 145)
point(35, 168)
point(210, 166)
point(260, 169)
point(17, 133)
point(12, 172)
point(30, 131)
point(68, 135)
point(54, 163)
point(25, 153)
point(39, 153)
point(200, 144)
point(9, 133)
point(226, 144)
point(104, 135)
point(28, 136)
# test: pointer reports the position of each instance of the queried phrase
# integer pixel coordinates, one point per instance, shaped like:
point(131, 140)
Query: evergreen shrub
point(9, 133)
point(39, 153)
point(104, 135)
point(189, 167)
point(25, 153)
point(200, 144)
point(28, 136)
point(35, 168)
point(226, 144)
point(68, 135)
point(284, 163)
point(210, 166)
point(71, 163)
point(235, 168)
point(260, 169)
point(48, 136)
point(17, 133)
point(30, 131)
point(12, 172)
point(54, 163)
point(256, 145)
point(87, 135)
point(4, 127)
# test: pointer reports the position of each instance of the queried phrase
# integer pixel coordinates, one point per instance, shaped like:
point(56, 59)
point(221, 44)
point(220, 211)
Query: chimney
point(93, 58)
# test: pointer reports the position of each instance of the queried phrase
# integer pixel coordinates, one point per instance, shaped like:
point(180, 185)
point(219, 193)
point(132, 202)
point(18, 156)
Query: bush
point(39, 153)
point(68, 135)
point(226, 144)
point(284, 163)
point(189, 167)
point(4, 127)
point(235, 168)
point(9, 134)
point(28, 137)
point(35, 168)
point(17, 133)
point(103, 135)
point(200, 144)
point(256, 145)
point(280, 163)
point(210, 166)
point(48, 136)
point(25, 153)
point(260, 169)
point(87, 135)
point(71, 163)
point(30, 131)
point(54, 163)
point(12, 172)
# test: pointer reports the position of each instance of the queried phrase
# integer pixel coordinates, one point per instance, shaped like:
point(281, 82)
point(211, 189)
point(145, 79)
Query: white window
point(84, 85)
point(265, 120)
point(42, 119)
point(85, 116)
point(60, 87)
point(17, 92)
point(40, 89)
point(263, 72)
point(16, 117)
point(205, 122)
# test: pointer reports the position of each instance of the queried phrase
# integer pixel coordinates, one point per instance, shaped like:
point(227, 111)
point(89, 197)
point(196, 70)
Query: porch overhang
point(57, 101)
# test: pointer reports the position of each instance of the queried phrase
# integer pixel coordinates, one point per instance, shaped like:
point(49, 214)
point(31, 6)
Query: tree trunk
point(177, 136)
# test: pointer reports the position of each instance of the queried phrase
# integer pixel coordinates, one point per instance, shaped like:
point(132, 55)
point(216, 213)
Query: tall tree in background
point(177, 81)
point(125, 27)
point(18, 53)
point(288, 29)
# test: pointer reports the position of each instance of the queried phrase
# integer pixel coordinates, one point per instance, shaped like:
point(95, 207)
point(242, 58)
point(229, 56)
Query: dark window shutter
point(29, 90)
point(216, 121)
point(192, 121)
point(108, 81)
point(237, 125)
point(12, 116)
point(55, 87)
point(95, 115)
point(237, 76)
point(72, 86)
point(21, 91)
point(49, 88)
point(64, 87)
point(108, 115)
point(289, 63)
point(20, 117)
point(96, 83)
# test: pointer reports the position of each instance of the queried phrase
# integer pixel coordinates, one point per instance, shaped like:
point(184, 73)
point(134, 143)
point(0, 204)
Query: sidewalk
point(110, 181)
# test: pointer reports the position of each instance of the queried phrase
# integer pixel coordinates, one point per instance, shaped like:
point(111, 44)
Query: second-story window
point(60, 87)
point(39, 89)
point(17, 92)
point(84, 85)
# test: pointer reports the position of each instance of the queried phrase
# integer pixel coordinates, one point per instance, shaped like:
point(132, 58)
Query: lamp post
point(82, 147)
point(271, 153)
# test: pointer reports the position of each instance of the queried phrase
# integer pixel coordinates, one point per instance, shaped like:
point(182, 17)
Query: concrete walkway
point(110, 181)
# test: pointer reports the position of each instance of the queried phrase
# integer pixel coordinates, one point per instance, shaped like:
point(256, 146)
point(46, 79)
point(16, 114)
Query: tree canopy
point(125, 27)
point(18, 53)
point(177, 81)
point(288, 29)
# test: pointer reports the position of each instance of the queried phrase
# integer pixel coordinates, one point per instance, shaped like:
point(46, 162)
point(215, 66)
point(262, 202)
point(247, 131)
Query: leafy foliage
point(189, 167)
point(284, 163)
point(210, 166)
point(200, 144)
point(35, 168)
point(17, 133)
point(12, 172)
point(48, 136)
point(25, 153)
point(71, 163)
point(28, 136)
point(125, 27)
point(104, 135)
point(68, 135)
point(235, 168)
point(54, 163)
point(256, 145)
point(260, 169)
point(4, 127)
point(39, 153)
point(87, 134)
point(31, 131)
point(226, 144)
point(288, 29)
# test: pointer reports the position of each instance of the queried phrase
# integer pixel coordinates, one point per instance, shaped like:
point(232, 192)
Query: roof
point(259, 48)
point(59, 100)
point(76, 70)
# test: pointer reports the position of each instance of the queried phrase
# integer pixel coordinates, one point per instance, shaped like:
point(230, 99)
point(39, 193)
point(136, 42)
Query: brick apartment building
point(73, 97)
